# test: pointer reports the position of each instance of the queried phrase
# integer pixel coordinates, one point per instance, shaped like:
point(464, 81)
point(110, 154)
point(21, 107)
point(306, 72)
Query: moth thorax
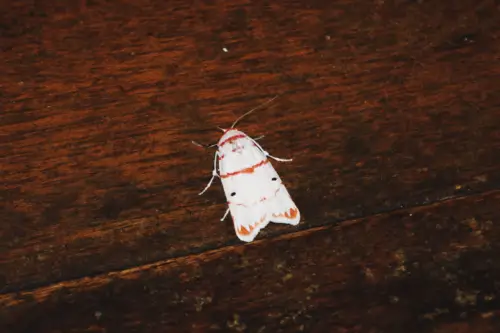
point(237, 147)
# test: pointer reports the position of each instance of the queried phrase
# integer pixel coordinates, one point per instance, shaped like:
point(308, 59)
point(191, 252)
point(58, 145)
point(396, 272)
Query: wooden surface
point(388, 108)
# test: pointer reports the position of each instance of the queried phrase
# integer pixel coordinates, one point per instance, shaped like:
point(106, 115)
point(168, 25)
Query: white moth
point(254, 191)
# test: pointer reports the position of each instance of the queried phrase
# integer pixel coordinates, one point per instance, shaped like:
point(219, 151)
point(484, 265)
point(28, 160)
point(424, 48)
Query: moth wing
point(255, 193)
point(248, 220)
point(248, 212)
point(282, 209)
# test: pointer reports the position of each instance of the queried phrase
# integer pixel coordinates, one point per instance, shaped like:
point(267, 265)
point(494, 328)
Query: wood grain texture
point(383, 105)
point(427, 269)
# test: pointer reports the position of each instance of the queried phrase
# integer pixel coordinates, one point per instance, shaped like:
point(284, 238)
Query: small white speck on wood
point(98, 315)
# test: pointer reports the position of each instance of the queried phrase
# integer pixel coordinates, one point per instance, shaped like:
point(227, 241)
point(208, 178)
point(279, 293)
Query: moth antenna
point(198, 144)
point(247, 113)
point(202, 145)
point(221, 129)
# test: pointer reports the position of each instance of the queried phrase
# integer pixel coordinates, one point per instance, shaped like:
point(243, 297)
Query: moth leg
point(259, 137)
point(225, 215)
point(214, 174)
point(269, 155)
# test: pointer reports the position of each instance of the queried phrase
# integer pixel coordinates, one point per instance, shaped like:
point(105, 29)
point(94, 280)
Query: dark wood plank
point(427, 269)
point(383, 105)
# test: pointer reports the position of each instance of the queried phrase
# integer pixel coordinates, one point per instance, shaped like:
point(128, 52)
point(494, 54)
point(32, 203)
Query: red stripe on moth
point(231, 139)
point(246, 170)
point(237, 204)
point(261, 199)
point(220, 157)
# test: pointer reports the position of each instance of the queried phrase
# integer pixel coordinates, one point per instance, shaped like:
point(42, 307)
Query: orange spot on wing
point(290, 214)
point(245, 170)
point(245, 232)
